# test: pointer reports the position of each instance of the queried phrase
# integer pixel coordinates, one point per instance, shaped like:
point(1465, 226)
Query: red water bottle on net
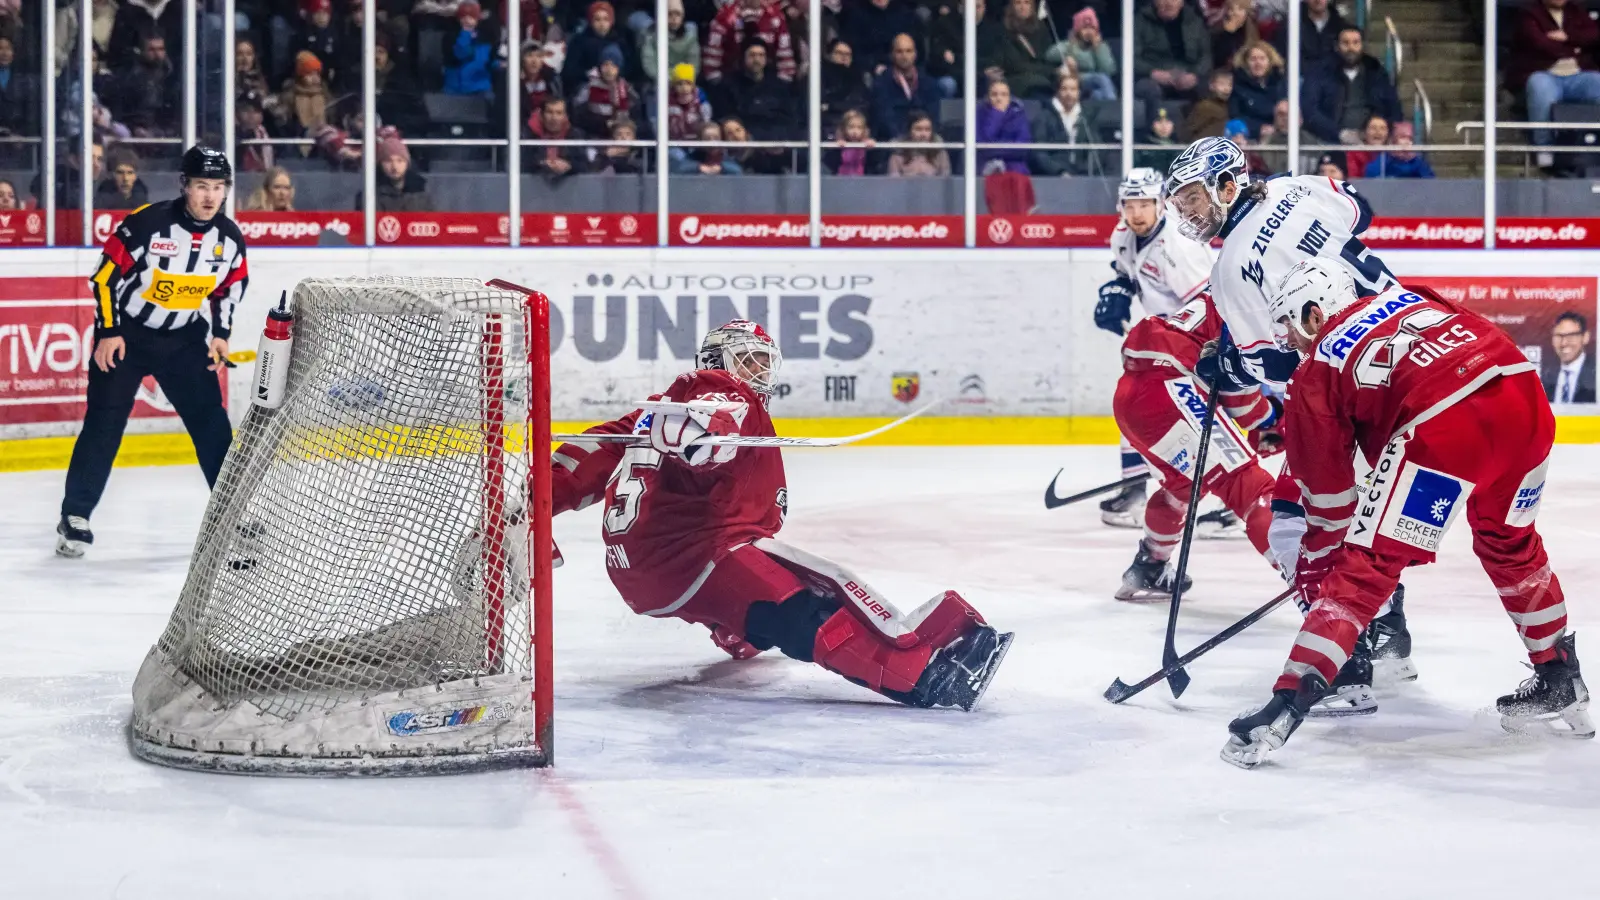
point(272, 357)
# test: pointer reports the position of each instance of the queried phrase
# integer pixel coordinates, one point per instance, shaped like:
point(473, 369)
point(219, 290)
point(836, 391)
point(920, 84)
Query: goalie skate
point(959, 674)
point(1554, 701)
point(1126, 509)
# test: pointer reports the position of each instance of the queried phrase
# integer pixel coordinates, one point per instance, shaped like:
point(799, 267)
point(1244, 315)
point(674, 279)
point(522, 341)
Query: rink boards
point(1006, 337)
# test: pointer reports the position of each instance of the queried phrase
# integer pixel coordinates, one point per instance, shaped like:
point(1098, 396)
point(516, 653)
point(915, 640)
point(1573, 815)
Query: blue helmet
point(1212, 162)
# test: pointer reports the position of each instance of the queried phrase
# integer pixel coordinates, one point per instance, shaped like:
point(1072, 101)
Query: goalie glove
point(1115, 306)
point(681, 433)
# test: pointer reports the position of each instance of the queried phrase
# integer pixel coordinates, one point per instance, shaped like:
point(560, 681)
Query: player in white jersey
point(1165, 271)
point(1267, 228)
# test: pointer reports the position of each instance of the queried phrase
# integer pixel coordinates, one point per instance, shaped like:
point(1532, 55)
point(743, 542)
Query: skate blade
point(70, 549)
point(1247, 756)
point(1572, 722)
point(1141, 595)
point(1351, 700)
point(1393, 671)
point(1121, 520)
point(1219, 534)
point(1002, 647)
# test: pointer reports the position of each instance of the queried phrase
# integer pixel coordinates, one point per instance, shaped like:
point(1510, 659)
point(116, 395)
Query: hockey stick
point(1178, 680)
point(737, 440)
point(1051, 501)
point(1119, 692)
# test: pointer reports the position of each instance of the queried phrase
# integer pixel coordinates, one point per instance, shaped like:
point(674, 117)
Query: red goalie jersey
point(1381, 368)
point(666, 522)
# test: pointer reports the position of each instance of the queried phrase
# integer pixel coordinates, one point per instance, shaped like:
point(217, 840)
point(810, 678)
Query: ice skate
point(1554, 701)
point(1391, 643)
point(959, 674)
point(1126, 509)
point(1219, 525)
point(1253, 735)
point(73, 536)
point(1351, 693)
point(1148, 579)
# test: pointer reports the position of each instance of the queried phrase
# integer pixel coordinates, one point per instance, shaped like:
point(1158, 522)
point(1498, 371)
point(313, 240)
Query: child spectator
point(622, 160)
point(605, 96)
point(1375, 135)
point(1208, 116)
point(305, 99)
point(1258, 85)
point(584, 47)
point(686, 112)
point(275, 194)
point(318, 36)
point(1166, 149)
point(1097, 67)
point(540, 80)
point(934, 161)
point(557, 163)
point(1238, 132)
point(250, 126)
point(1001, 120)
point(1331, 165)
point(683, 43)
point(1400, 163)
point(123, 189)
point(707, 160)
point(848, 160)
point(737, 26)
point(473, 65)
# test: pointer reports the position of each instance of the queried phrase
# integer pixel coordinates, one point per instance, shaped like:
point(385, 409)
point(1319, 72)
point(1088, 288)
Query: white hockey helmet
point(1313, 280)
point(1211, 162)
point(1143, 183)
point(744, 350)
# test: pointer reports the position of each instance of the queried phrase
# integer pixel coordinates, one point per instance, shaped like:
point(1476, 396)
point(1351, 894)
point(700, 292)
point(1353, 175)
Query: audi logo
point(422, 229)
point(1000, 231)
point(1038, 231)
point(388, 229)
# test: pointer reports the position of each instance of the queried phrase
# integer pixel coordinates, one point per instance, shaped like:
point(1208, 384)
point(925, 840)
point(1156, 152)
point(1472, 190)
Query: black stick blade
point(1117, 692)
point(1179, 682)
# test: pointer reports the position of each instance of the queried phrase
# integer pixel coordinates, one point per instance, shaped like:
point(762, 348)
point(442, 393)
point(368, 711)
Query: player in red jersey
point(689, 533)
point(1160, 407)
point(1452, 417)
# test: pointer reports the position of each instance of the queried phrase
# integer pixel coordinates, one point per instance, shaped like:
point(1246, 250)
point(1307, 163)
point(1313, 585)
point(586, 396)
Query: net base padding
point(472, 725)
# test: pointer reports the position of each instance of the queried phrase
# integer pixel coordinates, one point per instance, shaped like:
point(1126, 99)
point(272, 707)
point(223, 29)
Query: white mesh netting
point(358, 599)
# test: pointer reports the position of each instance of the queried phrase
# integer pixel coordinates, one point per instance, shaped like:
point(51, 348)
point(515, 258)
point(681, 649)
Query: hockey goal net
point(370, 591)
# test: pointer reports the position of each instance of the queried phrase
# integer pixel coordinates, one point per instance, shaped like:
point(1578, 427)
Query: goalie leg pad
point(847, 645)
point(827, 578)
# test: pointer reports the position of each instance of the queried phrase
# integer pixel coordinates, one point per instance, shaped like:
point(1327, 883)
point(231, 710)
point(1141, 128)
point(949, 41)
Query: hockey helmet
point(1313, 280)
point(201, 161)
point(1212, 163)
point(1143, 183)
point(744, 350)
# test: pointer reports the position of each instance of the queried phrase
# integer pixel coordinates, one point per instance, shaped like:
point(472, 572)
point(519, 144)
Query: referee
point(165, 261)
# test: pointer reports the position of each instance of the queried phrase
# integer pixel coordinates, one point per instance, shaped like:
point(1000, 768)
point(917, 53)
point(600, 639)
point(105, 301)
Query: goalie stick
point(737, 440)
point(1052, 501)
point(1119, 692)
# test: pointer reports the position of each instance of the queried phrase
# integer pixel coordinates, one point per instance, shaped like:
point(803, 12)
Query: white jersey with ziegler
point(1169, 269)
point(1301, 216)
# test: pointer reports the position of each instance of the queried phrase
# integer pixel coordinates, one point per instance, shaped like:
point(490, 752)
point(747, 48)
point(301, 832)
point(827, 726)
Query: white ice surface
point(682, 774)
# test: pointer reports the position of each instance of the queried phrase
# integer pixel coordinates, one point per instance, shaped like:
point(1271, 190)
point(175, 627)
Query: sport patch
point(163, 247)
point(177, 291)
point(1525, 505)
point(1228, 447)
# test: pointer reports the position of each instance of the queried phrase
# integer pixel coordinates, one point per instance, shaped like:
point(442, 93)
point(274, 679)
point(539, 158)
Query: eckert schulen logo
point(664, 316)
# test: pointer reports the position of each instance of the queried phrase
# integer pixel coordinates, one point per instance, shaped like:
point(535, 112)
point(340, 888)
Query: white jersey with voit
point(1168, 267)
point(1301, 216)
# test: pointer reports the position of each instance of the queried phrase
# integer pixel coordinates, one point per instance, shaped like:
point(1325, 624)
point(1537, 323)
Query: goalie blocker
point(689, 528)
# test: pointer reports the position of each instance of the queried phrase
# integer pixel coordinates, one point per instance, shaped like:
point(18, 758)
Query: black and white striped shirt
point(161, 267)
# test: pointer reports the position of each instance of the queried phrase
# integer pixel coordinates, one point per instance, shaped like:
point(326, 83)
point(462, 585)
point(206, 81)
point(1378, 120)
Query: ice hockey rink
point(683, 774)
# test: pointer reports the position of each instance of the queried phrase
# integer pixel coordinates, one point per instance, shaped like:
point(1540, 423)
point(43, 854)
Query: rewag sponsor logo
point(1336, 346)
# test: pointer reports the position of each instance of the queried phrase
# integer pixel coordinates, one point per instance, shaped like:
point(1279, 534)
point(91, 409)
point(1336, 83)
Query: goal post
point(370, 592)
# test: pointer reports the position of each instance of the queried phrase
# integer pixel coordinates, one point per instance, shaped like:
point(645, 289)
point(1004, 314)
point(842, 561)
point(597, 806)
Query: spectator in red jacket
point(605, 97)
point(734, 28)
point(1553, 55)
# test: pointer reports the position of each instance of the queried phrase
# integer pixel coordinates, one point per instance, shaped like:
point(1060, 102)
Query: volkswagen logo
point(422, 229)
point(1000, 231)
point(502, 225)
point(388, 229)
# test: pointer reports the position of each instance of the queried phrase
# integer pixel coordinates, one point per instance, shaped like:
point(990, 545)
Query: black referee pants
point(179, 361)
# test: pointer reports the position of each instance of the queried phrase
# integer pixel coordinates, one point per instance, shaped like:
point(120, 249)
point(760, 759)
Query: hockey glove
point(1308, 578)
point(1115, 306)
point(1283, 542)
point(681, 434)
point(1222, 368)
point(1268, 439)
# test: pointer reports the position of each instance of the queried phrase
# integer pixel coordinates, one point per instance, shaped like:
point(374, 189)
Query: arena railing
point(1122, 150)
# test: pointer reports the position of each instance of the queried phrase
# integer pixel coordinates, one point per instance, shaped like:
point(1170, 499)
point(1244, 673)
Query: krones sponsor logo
point(663, 316)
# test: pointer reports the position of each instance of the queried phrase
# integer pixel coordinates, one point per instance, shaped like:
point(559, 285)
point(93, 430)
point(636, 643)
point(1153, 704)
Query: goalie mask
point(1314, 280)
point(744, 350)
